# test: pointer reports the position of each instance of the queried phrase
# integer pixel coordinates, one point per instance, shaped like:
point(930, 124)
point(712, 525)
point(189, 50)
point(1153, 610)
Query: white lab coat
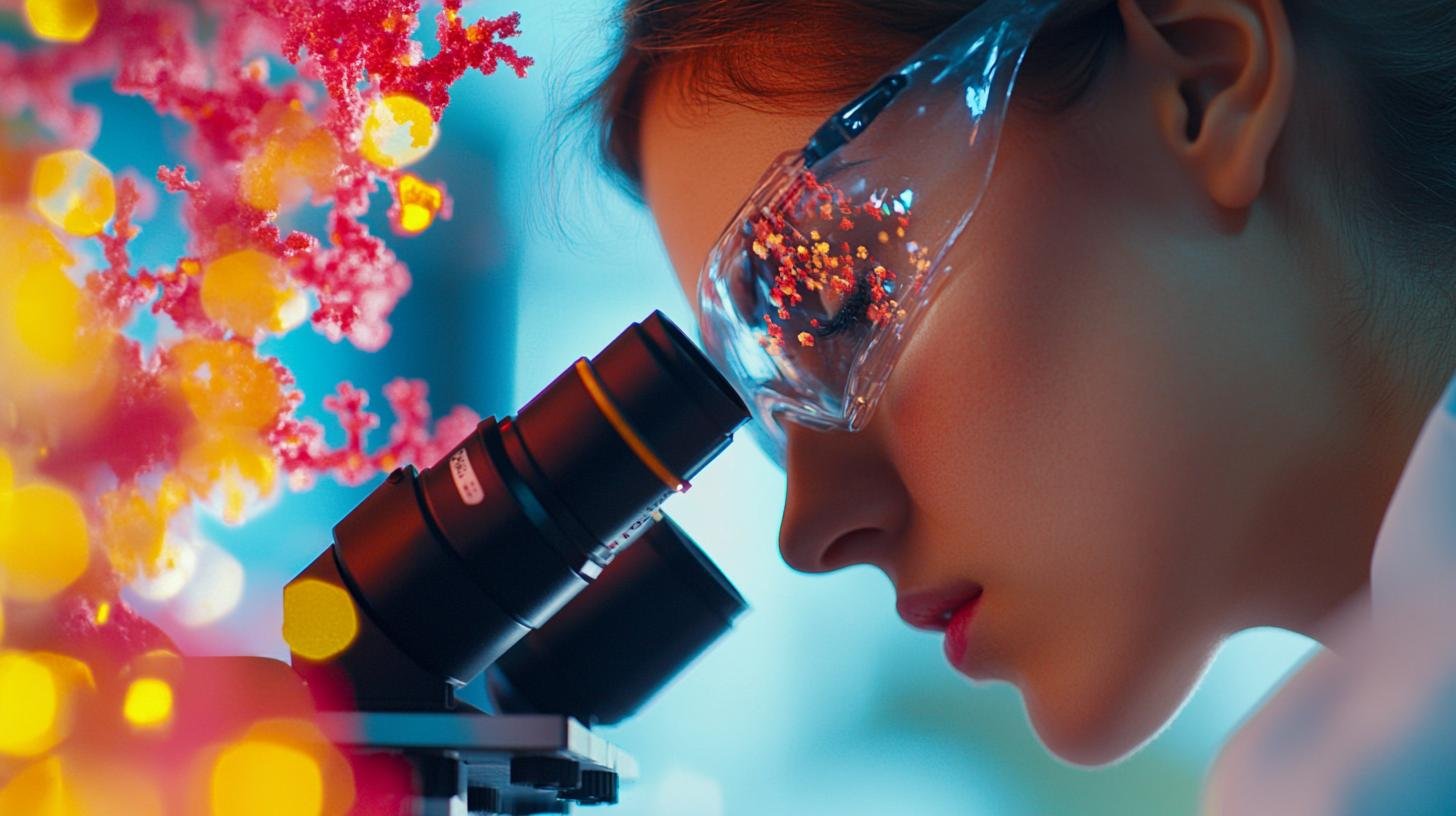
point(1368, 726)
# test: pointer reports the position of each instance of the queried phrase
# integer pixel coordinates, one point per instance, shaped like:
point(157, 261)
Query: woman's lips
point(957, 631)
point(932, 610)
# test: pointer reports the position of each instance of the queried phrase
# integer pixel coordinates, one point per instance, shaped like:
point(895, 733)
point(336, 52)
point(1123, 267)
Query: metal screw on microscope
point(546, 772)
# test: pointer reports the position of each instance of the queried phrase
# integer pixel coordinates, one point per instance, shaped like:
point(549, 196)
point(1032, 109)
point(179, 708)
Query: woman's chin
point(1083, 743)
point(1087, 725)
point(1079, 738)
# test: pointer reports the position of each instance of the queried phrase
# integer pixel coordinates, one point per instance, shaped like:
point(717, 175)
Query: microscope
point(531, 564)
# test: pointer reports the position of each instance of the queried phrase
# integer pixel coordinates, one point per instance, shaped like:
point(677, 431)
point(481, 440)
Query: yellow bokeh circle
point(30, 704)
point(398, 131)
point(44, 543)
point(319, 619)
point(148, 703)
point(74, 191)
point(256, 776)
point(248, 291)
point(66, 21)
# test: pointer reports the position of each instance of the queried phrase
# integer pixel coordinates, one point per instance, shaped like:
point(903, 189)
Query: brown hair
point(751, 51)
point(1401, 55)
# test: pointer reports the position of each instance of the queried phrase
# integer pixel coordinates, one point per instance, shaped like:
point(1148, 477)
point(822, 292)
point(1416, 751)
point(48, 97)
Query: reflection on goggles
point(832, 261)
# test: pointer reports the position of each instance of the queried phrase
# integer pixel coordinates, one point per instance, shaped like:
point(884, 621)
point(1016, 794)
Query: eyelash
point(851, 311)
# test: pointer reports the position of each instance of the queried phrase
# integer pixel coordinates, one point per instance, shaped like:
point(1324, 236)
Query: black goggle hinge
point(852, 119)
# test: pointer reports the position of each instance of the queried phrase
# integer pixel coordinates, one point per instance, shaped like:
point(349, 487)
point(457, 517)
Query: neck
point(1315, 540)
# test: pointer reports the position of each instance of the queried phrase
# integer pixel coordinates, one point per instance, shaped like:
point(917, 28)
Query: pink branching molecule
point(115, 442)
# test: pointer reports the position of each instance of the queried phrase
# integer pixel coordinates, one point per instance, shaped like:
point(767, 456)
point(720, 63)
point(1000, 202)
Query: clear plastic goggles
point(809, 294)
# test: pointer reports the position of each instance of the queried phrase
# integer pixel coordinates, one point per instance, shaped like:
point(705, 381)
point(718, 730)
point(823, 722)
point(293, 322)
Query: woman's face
point(1105, 420)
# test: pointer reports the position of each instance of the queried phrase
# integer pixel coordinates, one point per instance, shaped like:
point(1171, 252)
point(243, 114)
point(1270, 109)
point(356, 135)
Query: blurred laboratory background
point(821, 701)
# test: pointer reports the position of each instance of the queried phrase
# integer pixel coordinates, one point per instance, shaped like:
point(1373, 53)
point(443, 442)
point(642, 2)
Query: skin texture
point(1138, 415)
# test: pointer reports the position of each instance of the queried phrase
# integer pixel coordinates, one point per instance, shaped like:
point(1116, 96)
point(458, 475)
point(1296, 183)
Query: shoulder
point(1369, 725)
point(1366, 727)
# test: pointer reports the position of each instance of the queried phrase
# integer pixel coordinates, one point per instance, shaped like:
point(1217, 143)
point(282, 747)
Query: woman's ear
point(1225, 78)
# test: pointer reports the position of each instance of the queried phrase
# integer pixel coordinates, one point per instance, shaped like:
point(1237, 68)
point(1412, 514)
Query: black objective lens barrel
point(450, 567)
point(657, 607)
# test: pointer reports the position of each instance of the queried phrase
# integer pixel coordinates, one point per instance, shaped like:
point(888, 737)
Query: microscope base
point(487, 763)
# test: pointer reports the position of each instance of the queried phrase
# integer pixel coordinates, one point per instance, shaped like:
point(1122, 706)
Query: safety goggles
point(813, 289)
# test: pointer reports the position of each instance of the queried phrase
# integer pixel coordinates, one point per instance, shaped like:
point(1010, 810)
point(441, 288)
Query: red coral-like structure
point(136, 435)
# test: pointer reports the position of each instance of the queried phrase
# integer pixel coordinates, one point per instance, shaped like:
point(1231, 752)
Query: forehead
point(700, 160)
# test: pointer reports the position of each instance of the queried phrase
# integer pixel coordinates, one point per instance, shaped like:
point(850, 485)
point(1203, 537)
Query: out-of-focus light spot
point(47, 314)
point(61, 20)
point(256, 776)
point(7, 510)
point(73, 191)
point(225, 383)
point(103, 613)
point(83, 785)
point(29, 705)
point(36, 696)
point(214, 591)
point(297, 744)
point(419, 202)
point(293, 157)
point(235, 474)
point(41, 788)
point(174, 568)
point(398, 131)
point(50, 341)
point(685, 791)
point(319, 619)
point(44, 544)
point(29, 241)
point(248, 291)
point(111, 784)
point(148, 703)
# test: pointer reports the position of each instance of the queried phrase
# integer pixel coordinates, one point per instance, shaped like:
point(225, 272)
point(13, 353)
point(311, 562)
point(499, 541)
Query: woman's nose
point(846, 504)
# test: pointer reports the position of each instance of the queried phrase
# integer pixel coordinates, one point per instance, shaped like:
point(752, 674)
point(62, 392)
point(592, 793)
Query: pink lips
point(947, 610)
point(957, 631)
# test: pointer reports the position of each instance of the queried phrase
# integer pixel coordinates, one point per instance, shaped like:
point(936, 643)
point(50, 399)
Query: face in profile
point(1120, 408)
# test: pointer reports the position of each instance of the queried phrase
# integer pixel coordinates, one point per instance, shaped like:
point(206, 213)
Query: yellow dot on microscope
point(398, 131)
point(73, 191)
point(61, 20)
point(319, 620)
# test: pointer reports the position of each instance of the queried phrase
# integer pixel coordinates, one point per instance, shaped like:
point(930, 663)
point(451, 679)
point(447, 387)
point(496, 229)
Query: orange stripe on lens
point(624, 428)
